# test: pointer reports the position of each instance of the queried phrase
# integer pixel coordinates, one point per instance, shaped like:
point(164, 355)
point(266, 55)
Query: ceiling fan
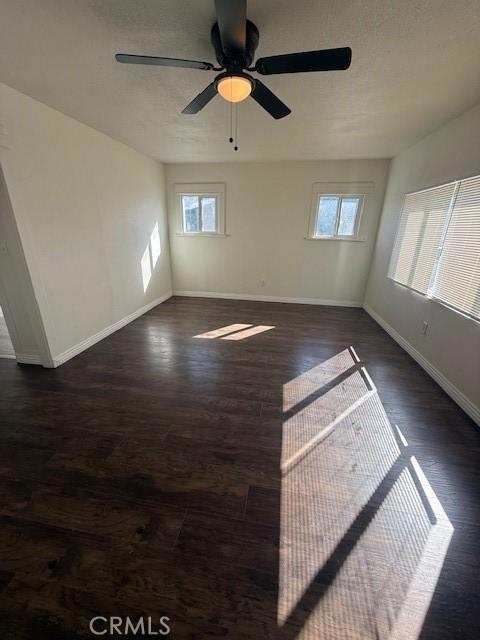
point(235, 39)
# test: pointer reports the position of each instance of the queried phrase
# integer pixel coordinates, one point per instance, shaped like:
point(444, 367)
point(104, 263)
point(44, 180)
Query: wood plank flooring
point(304, 481)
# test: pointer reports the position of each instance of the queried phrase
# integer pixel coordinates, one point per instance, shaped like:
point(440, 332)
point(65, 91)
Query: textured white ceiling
point(415, 65)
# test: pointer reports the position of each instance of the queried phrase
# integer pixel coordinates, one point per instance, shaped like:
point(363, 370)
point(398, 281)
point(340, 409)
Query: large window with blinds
point(437, 248)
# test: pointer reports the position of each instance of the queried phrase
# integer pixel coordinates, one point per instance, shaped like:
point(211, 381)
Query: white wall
point(17, 297)
point(452, 343)
point(85, 207)
point(267, 209)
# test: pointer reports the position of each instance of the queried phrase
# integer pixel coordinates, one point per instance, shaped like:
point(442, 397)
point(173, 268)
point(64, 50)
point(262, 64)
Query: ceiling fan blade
point(163, 62)
point(269, 101)
point(323, 60)
point(232, 21)
point(201, 100)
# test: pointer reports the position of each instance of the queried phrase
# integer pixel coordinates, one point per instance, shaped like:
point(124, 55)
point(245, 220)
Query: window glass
point(348, 215)
point(326, 216)
point(191, 214)
point(209, 214)
point(199, 214)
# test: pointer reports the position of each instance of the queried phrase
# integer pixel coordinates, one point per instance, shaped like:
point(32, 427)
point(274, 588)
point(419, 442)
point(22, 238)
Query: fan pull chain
point(231, 123)
point(236, 127)
point(234, 124)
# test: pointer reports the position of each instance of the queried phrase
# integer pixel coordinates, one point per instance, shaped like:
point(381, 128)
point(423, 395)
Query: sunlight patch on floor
point(315, 379)
point(234, 332)
point(222, 331)
point(248, 333)
point(363, 536)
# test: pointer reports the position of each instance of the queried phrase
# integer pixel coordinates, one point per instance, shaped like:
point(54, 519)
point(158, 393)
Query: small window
point(337, 209)
point(199, 214)
point(337, 216)
point(201, 209)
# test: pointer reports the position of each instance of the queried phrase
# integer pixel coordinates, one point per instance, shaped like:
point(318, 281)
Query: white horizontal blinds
point(457, 281)
point(419, 236)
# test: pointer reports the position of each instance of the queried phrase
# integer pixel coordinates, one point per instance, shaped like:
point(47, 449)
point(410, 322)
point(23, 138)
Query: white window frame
point(338, 190)
point(200, 198)
point(201, 190)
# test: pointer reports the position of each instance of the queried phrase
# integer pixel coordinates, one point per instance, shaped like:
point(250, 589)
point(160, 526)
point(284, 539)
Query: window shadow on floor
point(362, 536)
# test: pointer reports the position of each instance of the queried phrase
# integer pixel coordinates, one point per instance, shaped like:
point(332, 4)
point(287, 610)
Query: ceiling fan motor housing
point(235, 60)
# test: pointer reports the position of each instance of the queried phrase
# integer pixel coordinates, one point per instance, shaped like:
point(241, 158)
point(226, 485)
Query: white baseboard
point(461, 399)
point(89, 342)
point(23, 358)
point(260, 298)
point(28, 358)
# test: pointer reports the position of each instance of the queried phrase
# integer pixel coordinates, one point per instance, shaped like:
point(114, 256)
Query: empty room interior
point(240, 319)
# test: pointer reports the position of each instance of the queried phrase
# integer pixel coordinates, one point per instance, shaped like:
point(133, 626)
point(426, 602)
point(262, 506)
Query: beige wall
point(85, 207)
point(267, 210)
point(452, 343)
point(17, 297)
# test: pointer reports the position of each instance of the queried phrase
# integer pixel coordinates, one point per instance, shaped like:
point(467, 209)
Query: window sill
point(432, 298)
point(459, 312)
point(335, 239)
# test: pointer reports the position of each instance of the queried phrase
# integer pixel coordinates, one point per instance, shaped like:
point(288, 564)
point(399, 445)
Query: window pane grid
point(199, 214)
point(337, 216)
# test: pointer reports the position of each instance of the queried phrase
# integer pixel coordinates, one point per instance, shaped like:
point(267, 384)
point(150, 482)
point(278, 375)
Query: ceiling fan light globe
point(234, 88)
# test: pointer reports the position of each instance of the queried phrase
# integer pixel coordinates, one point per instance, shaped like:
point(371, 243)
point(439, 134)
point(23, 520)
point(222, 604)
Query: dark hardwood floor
point(306, 480)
